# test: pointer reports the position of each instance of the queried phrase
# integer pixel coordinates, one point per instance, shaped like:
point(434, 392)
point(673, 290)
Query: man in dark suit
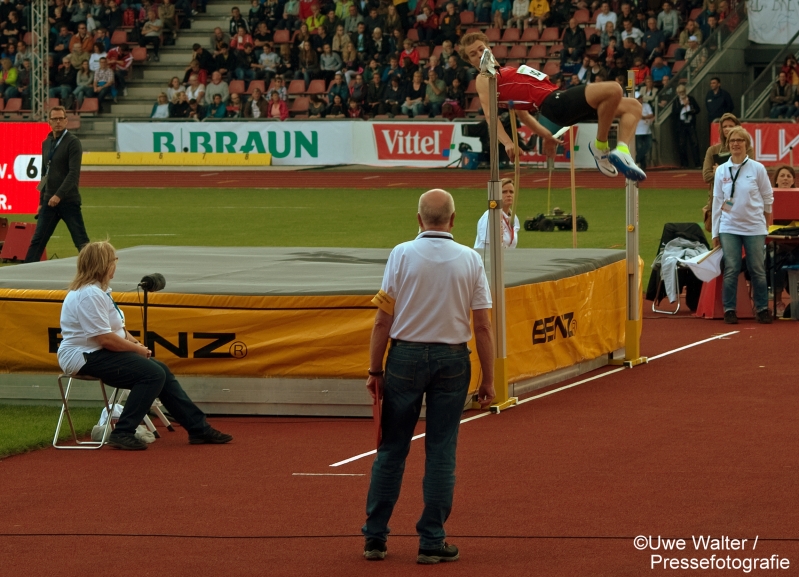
point(59, 198)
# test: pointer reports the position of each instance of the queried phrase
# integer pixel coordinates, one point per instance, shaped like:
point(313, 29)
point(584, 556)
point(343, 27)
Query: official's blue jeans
point(147, 380)
point(755, 248)
point(442, 373)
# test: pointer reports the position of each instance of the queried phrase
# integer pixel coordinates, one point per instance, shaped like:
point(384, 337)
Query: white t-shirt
point(753, 196)
point(645, 126)
point(195, 93)
point(86, 313)
point(510, 238)
point(603, 19)
point(435, 283)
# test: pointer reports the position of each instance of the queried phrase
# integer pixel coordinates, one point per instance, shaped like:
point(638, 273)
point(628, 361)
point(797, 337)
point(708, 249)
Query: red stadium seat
point(472, 88)
point(89, 106)
point(119, 37)
point(511, 35)
point(139, 54)
point(676, 67)
point(259, 84)
point(537, 51)
point(551, 34)
point(582, 16)
point(236, 87)
point(2, 103)
point(437, 51)
point(73, 122)
point(589, 31)
point(52, 103)
point(695, 14)
point(530, 35)
point(551, 68)
point(13, 105)
point(594, 50)
point(500, 52)
point(534, 64)
point(518, 52)
point(296, 87)
point(281, 37)
point(467, 17)
point(672, 50)
point(424, 52)
point(316, 87)
point(299, 105)
point(413, 34)
point(494, 35)
point(555, 50)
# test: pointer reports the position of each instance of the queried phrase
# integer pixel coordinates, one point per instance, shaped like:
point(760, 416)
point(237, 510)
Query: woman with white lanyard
point(742, 199)
point(97, 344)
point(510, 235)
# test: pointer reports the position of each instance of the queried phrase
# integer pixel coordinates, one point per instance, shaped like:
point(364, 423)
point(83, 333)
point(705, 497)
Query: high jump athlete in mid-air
point(531, 91)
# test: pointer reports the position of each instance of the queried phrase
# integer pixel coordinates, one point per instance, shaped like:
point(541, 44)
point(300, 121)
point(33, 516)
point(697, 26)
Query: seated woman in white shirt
point(510, 236)
point(160, 108)
point(96, 344)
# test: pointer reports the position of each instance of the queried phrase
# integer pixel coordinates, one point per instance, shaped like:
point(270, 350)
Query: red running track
point(369, 178)
point(701, 442)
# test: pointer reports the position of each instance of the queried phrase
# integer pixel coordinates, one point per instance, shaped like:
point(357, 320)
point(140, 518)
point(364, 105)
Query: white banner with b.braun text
point(289, 143)
point(409, 143)
point(772, 21)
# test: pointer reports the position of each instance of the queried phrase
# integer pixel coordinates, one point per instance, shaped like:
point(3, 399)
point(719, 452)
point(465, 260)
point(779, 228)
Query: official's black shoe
point(431, 556)
point(210, 437)
point(126, 442)
point(730, 317)
point(764, 317)
point(375, 550)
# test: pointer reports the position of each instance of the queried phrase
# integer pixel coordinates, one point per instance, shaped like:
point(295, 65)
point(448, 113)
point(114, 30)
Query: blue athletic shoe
point(626, 165)
point(602, 160)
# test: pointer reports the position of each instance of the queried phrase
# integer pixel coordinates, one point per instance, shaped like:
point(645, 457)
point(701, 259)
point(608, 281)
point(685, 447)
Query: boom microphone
point(153, 282)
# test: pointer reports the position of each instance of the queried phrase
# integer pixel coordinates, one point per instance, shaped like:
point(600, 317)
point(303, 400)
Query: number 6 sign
point(20, 165)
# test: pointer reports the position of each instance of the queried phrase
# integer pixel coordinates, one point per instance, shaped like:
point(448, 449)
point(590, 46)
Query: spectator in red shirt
point(410, 52)
point(277, 108)
point(238, 41)
point(120, 60)
point(427, 25)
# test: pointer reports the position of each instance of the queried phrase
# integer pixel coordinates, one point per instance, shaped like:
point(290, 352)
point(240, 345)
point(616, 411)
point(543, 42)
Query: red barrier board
point(771, 141)
point(20, 165)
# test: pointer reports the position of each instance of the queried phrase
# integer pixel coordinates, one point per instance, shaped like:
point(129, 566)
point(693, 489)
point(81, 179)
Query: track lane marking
point(553, 391)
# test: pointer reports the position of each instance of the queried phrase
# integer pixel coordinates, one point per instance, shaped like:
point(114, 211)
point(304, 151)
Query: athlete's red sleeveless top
point(525, 86)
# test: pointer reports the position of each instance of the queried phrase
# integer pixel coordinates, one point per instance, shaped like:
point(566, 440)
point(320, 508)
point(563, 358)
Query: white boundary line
point(553, 391)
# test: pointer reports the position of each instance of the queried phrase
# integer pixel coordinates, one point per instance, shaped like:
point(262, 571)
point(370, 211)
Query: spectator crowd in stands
point(380, 57)
point(356, 59)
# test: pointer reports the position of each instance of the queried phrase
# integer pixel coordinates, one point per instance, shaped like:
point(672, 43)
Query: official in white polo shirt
point(430, 287)
point(742, 199)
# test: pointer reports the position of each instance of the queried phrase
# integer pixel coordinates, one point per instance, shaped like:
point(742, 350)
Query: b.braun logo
point(230, 347)
point(416, 141)
point(546, 330)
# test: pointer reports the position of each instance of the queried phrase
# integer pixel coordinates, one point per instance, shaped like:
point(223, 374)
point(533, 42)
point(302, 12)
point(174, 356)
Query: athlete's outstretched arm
point(482, 94)
point(550, 142)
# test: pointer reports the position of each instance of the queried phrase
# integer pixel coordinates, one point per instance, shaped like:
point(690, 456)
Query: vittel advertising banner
point(412, 144)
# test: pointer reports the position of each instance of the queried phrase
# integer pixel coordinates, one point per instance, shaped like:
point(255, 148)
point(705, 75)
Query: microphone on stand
point(149, 284)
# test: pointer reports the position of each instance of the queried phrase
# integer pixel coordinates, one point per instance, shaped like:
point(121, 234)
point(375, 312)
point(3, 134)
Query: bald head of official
point(436, 210)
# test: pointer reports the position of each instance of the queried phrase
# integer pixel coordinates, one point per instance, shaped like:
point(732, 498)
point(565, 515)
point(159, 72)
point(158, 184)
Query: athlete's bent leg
point(605, 97)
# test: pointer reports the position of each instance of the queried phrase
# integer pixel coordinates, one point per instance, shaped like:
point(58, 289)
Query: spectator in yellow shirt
point(316, 19)
point(539, 11)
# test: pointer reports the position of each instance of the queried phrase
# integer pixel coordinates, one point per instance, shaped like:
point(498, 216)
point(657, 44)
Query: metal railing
point(710, 47)
point(755, 97)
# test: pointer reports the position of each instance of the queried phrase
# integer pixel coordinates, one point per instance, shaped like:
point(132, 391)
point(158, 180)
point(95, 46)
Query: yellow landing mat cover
point(551, 325)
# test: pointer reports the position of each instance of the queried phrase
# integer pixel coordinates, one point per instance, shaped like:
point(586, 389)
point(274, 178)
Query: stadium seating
point(537, 51)
point(316, 87)
point(90, 106)
point(259, 84)
point(236, 87)
point(530, 35)
point(550, 35)
point(296, 87)
point(299, 105)
point(467, 17)
point(511, 35)
point(119, 37)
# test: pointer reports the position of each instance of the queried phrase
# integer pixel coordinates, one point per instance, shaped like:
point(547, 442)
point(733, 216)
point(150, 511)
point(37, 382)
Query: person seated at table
point(97, 344)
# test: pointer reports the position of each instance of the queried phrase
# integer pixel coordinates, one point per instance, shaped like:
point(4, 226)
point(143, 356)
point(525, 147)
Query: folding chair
point(65, 411)
point(685, 278)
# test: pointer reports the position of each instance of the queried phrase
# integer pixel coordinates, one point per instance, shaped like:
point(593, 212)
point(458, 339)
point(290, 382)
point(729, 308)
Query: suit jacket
point(63, 173)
